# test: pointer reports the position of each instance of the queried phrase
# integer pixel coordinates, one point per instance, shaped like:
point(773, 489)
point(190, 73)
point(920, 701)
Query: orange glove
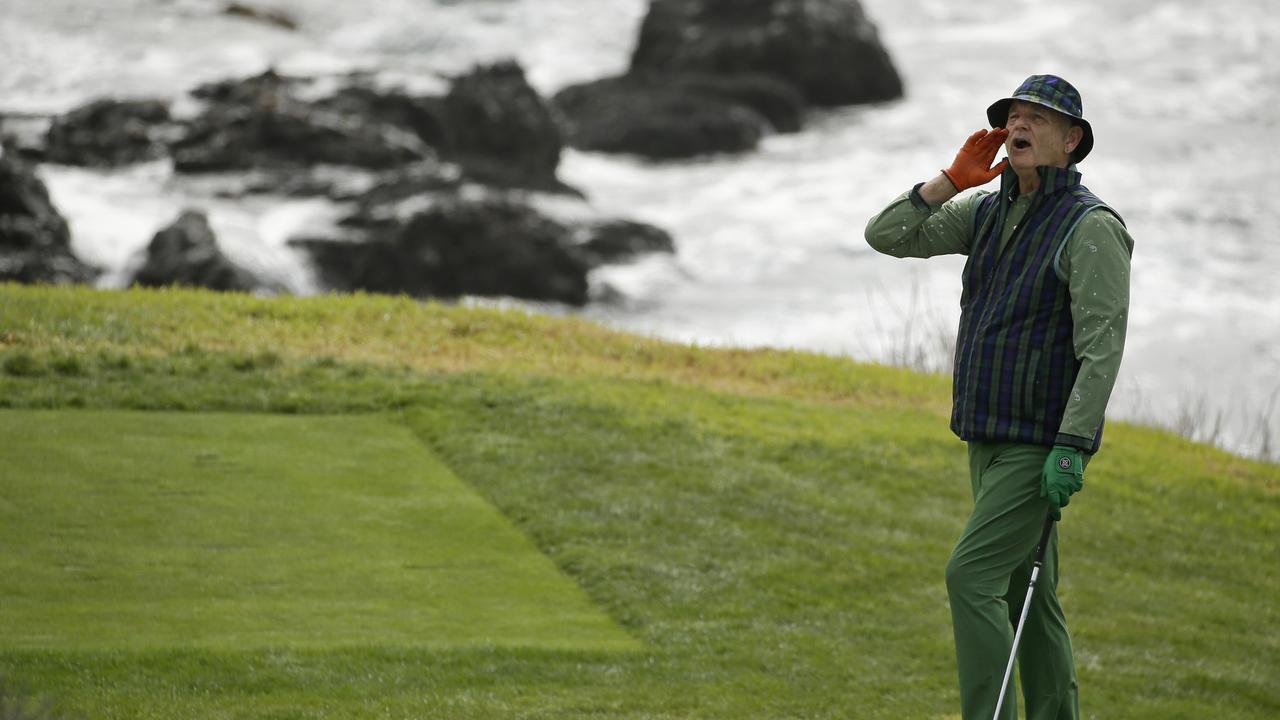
point(972, 166)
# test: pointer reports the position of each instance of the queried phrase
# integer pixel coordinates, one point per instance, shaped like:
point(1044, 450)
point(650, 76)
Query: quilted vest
point(1015, 363)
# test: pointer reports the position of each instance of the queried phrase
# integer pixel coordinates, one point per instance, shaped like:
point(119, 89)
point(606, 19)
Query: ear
point(1074, 136)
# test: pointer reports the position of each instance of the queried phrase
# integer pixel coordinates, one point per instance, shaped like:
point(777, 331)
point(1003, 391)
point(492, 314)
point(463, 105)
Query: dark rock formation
point(186, 253)
point(619, 241)
point(710, 75)
point(258, 123)
point(778, 102)
point(398, 195)
point(263, 89)
point(433, 218)
point(677, 115)
point(424, 116)
point(650, 115)
point(279, 19)
point(283, 136)
point(25, 135)
point(828, 49)
point(35, 243)
point(411, 232)
point(107, 133)
point(459, 247)
point(492, 124)
point(500, 130)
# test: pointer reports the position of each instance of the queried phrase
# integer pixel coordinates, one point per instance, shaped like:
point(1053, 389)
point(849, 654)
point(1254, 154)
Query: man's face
point(1039, 136)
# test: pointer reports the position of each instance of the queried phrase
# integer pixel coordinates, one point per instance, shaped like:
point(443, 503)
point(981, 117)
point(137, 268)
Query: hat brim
point(998, 115)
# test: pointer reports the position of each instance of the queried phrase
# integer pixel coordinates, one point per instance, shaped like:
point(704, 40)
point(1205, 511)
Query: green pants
point(987, 579)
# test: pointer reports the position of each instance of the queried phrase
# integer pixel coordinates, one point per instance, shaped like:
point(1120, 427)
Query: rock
point(777, 101)
point(458, 247)
point(35, 242)
point(424, 116)
point(25, 135)
point(500, 130)
point(287, 136)
point(258, 123)
point(263, 89)
point(400, 194)
point(186, 253)
point(828, 49)
point(712, 76)
point(648, 114)
point(107, 133)
point(270, 17)
point(619, 241)
point(492, 125)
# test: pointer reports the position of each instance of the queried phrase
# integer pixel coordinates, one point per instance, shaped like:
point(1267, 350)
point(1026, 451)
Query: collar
point(1052, 180)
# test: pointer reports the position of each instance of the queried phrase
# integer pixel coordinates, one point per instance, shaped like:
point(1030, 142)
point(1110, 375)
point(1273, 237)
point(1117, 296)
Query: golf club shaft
point(1026, 606)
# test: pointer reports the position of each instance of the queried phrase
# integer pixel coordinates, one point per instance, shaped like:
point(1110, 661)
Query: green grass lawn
point(141, 531)
point(748, 534)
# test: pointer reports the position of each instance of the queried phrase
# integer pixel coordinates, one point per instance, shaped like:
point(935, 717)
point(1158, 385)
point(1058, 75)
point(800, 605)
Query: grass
point(43, 328)
point(769, 529)
point(223, 531)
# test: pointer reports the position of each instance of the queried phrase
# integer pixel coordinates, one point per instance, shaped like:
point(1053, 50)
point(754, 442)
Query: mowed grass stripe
point(126, 531)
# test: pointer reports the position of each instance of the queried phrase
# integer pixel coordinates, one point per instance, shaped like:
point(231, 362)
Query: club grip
point(1044, 538)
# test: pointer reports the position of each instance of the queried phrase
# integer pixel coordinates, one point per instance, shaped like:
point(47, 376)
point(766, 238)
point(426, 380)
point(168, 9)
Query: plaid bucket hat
point(1052, 92)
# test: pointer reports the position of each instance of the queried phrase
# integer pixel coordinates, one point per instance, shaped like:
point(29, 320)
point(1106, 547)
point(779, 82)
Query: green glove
point(1063, 475)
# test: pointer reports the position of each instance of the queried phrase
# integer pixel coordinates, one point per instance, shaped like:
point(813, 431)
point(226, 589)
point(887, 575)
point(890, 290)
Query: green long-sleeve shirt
point(1094, 264)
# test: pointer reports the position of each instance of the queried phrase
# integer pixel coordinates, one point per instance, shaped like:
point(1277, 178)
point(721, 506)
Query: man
point(1043, 314)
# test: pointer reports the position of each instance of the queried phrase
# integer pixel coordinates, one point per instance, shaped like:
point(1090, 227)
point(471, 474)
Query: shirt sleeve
point(1095, 265)
point(910, 227)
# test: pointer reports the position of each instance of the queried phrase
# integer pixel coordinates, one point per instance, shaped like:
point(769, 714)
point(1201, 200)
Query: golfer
point(1042, 325)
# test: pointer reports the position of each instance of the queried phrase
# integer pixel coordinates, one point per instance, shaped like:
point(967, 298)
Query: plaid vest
point(1015, 362)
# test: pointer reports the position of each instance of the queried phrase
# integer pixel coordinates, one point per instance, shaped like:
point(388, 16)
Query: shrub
point(23, 364)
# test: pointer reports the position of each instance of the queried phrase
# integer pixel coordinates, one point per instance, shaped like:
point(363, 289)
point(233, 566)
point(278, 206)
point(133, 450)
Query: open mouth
point(1021, 144)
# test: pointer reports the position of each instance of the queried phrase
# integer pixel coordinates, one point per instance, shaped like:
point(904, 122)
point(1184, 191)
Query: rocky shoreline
point(448, 211)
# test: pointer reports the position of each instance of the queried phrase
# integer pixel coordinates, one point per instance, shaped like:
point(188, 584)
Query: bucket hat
point(1052, 92)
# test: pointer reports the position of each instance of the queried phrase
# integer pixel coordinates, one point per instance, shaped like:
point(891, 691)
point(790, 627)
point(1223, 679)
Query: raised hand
point(972, 166)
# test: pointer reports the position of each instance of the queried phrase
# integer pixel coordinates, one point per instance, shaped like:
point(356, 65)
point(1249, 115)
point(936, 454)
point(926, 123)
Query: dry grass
point(399, 332)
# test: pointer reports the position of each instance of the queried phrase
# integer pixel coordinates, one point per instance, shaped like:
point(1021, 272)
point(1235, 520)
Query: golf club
point(1026, 605)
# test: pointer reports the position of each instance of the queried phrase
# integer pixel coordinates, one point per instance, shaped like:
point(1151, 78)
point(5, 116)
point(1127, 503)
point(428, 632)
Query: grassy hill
point(229, 507)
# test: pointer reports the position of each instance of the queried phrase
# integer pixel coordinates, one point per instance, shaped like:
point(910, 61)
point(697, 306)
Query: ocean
point(1183, 96)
